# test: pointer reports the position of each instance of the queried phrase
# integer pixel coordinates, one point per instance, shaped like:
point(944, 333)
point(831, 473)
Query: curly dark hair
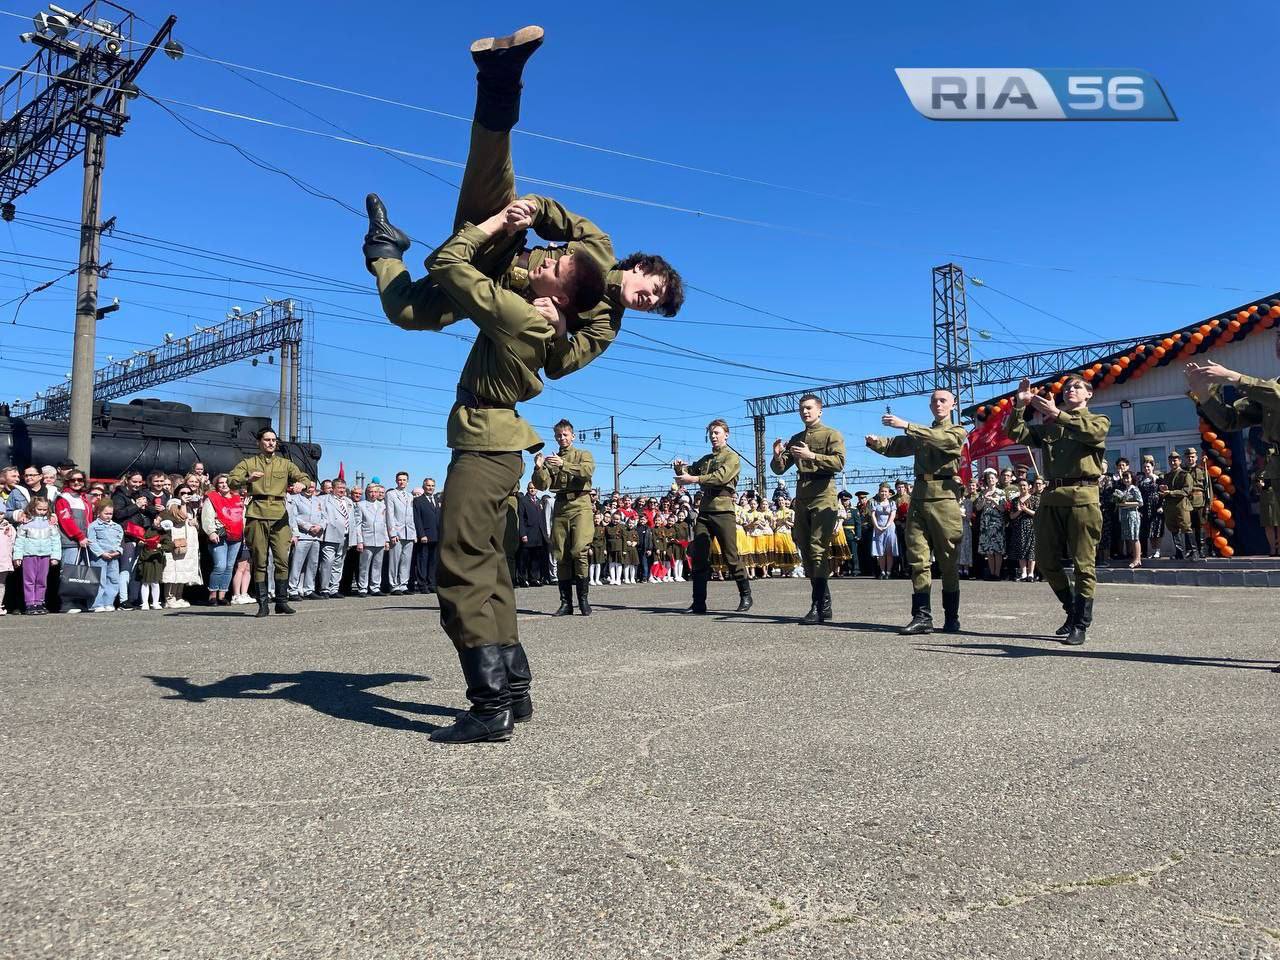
point(587, 284)
point(672, 285)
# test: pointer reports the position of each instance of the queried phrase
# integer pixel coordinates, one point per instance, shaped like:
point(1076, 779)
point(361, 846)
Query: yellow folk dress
point(786, 553)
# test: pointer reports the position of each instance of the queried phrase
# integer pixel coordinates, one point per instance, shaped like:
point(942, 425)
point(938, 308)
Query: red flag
point(984, 440)
point(341, 475)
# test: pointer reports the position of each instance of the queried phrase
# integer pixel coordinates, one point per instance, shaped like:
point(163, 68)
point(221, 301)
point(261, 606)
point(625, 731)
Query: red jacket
point(67, 523)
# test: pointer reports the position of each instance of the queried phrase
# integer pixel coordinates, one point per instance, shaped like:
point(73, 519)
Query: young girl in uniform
point(597, 551)
point(149, 568)
point(613, 538)
point(631, 550)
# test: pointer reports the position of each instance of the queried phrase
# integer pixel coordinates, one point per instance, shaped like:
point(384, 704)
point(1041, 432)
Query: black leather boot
point(815, 604)
point(584, 603)
point(282, 605)
point(566, 599)
point(1083, 610)
point(699, 594)
point(489, 691)
point(921, 615)
point(519, 678)
point(744, 595)
point(264, 605)
point(1068, 607)
point(501, 63)
point(824, 596)
point(951, 611)
point(383, 240)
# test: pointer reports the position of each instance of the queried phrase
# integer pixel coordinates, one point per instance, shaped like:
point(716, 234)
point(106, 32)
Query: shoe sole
point(519, 38)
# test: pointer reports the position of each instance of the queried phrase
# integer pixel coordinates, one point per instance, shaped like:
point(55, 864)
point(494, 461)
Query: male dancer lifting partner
point(639, 282)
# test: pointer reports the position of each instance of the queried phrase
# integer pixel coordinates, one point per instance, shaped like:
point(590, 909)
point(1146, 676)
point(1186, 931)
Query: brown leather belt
point(469, 399)
point(1071, 482)
point(935, 476)
point(571, 494)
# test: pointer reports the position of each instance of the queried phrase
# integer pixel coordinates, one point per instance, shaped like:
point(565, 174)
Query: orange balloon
point(1228, 552)
point(1205, 328)
point(1115, 370)
point(1225, 514)
point(1055, 388)
point(1242, 315)
point(1220, 541)
point(1218, 505)
point(1267, 322)
point(1274, 312)
point(1097, 367)
point(1197, 338)
point(1167, 342)
point(1233, 326)
point(1210, 436)
point(1124, 362)
point(1253, 309)
point(1215, 471)
point(1219, 445)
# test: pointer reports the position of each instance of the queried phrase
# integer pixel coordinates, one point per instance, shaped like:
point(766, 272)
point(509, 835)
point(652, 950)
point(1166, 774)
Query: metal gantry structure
point(281, 324)
point(953, 367)
point(64, 102)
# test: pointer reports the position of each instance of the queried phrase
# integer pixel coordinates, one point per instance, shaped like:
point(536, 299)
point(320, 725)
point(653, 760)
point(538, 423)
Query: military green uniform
point(935, 521)
point(1177, 502)
point(599, 554)
point(488, 185)
point(487, 436)
point(1257, 405)
point(815, 501)
point(266, 523)
point(571, 519)
point(717, 474)
point(1199, 484)
point(1069, 519)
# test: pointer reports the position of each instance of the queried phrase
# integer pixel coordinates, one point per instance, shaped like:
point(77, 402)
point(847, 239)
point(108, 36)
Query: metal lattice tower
point(952, 363)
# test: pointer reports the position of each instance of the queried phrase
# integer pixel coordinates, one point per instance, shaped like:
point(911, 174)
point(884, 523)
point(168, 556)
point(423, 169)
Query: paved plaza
point(198, 784)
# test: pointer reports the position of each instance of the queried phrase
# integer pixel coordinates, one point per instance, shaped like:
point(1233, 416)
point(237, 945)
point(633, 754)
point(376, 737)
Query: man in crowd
point(373, 540)
point(717, 474)
point(935, 523)
point(401, 534)
point(1175, 493)
point(567, 473)
point(533, 544)
point(340, 519)
point(817, 453)
point(1069, 519)
point(1199, 485)
point(426, 522)
point(267, 476)
point(307, 526)
point(640, 282)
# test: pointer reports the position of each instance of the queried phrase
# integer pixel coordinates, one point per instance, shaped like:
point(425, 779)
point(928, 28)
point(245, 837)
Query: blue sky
point(1077, 218)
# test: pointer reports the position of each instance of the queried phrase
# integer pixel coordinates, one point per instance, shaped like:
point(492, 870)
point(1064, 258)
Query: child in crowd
point(182, 566)
point(7, 535)
point(614, 537)
point(37, 548)
point(597, 551)
point(106, 540)
point(631, 550)
point(151, 561)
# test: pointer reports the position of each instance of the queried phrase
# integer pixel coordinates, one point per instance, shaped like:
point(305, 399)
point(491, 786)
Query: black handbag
point(78, 583)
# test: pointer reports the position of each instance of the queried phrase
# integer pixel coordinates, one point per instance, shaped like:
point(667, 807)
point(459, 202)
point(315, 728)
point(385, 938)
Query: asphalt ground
point(197, 783)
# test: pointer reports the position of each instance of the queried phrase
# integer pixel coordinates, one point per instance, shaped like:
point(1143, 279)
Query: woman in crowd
point(884, 538)
point(1022, 518)
point(1152, 510)
point(1106, 485)
point(786, 553)
point(760, 530)
point(222, 520)
point(992, 505)
point(1128, 498)
point(74, 514)
point(8, 533)
point(182, 565)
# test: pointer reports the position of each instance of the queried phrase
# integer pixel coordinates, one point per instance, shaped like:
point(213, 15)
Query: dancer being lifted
point(514, 341)
point(642, 281)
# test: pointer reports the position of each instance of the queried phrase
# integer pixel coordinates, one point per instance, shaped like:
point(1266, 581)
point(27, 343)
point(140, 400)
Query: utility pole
point(613, 443)
point(282, 416)
point(80, 428)
point(295, 359)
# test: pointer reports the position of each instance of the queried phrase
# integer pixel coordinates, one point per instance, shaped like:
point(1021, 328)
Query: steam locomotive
point(148, 435)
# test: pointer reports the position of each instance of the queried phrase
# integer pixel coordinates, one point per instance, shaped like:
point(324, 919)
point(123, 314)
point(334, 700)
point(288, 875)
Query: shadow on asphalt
point(1014, 651)
point(344, 696)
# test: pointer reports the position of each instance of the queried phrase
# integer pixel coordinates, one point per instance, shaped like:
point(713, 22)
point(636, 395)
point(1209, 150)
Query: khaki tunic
point(935, 521)
point(266, 524)
point(1069, 518)
point(572, 516)
point(815, 502)
point(1177, 501)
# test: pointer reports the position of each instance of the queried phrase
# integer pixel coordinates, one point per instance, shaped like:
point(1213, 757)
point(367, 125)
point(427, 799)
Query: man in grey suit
point(426, 520)
point(341, 519)
point(401, 533)
point(303, 510)
point(372, 540)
